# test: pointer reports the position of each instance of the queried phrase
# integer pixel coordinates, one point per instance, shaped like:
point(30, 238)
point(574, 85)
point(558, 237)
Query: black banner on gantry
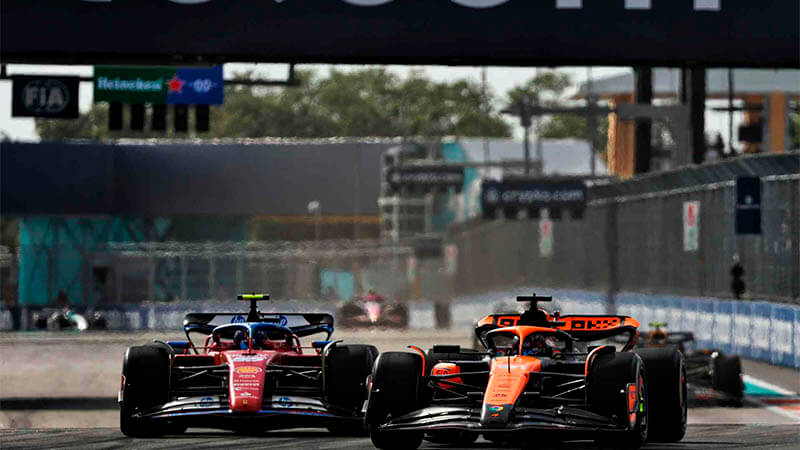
point(721, 33)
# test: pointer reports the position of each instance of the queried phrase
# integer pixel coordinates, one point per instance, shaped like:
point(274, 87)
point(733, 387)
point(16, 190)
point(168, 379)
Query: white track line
point(789, 414)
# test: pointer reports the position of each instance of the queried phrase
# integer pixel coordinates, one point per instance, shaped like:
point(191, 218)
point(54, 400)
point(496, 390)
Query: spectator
point(737, 273)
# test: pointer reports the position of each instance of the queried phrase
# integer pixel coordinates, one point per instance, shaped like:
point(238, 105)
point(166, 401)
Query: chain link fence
point(631, 238)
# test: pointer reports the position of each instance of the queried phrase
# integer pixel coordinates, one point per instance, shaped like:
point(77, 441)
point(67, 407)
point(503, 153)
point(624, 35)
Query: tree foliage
point(548, 89)
point(367, 102)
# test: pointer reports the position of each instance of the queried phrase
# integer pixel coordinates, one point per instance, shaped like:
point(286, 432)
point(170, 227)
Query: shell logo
point(248, 369)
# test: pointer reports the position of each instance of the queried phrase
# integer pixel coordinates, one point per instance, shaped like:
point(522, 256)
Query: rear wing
point(301, 324)
point(580, 327)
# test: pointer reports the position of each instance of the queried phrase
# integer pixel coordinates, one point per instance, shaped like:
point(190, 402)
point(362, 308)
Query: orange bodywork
point(508, 378)
point(447, 369)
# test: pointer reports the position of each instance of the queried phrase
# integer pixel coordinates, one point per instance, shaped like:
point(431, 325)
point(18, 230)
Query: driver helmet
point(240, 339)
point(510, 350)
point(260, 340)
point(536, 346)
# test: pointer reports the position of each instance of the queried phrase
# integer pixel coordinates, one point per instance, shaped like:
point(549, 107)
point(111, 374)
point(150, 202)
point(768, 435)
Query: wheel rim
point(642, 413)
point(683, 394)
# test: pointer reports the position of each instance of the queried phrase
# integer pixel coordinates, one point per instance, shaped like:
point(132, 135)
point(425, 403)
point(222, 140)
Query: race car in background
point(248, 373)
point(67, 319)
point(541, 379)
point(372, 310)
point(710, 373)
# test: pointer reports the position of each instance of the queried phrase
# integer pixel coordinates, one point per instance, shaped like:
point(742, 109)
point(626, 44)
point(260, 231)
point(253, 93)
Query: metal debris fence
point(631, 239)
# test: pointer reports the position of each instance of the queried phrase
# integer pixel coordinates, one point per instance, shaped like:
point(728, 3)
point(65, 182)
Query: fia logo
point(45, 96)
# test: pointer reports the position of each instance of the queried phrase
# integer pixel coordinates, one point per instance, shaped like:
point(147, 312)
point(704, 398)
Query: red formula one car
point(372, 310)
point(248, 373)
point(542, 378)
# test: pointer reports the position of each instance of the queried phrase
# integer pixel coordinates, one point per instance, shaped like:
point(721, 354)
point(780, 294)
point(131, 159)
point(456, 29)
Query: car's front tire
point(666, 375)
point(146, 371)
point(396, 391)
point(607, 380)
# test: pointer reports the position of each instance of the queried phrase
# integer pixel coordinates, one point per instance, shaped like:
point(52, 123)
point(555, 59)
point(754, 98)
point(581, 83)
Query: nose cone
point(496, 416)
point(509, 376)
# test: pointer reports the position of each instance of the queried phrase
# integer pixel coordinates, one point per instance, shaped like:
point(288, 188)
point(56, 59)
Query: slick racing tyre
point(146, 371)
point(346, 370)
point(666, 376)
point(607, 381)
point(396, 386)
point(726, 377)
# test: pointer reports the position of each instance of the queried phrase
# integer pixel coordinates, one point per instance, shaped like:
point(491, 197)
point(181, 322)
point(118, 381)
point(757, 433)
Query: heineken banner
point(159, 85)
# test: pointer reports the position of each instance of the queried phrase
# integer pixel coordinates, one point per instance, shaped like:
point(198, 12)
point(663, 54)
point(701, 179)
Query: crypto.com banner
point(458, 32)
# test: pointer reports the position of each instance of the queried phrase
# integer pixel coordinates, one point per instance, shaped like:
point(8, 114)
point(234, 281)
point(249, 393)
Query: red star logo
point(175, 85)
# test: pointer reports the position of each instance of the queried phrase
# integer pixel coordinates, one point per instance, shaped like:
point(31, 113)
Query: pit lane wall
point(758, 330)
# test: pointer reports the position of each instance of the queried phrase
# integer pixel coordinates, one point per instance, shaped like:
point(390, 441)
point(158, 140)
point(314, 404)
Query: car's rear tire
point(608, 377)
point(396, 390)
point(726, 377)
point(666, 376)
point(146, 370)
point(346, 370)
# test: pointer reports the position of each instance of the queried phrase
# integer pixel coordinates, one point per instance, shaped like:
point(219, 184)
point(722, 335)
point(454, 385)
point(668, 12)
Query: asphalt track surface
point(58, 391)
point(699, 437)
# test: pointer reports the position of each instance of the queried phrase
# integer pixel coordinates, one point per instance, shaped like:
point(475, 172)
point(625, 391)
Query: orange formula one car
point(543, 378)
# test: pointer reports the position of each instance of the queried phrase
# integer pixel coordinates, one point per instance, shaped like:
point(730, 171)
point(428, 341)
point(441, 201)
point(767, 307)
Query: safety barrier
point(753, 329)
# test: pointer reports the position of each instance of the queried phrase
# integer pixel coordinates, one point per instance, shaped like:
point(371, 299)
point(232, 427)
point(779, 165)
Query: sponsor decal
point(495, 408)
point(284, 402)
point(238, 319)
point(245, 394)
point(159, 85)
point(206, 402)
point(249, 358)
point(594, 324)
point(248, 370)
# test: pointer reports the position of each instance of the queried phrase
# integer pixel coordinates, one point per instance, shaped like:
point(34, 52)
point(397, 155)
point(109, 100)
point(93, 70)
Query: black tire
point(396, 390)
point(146, 370)
point(726, 377)
point(608, 377)
point(346, 370)
point(666, 376)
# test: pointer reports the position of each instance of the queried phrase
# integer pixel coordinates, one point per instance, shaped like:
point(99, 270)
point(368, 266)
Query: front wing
point(276, 412)
point(574, 420)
